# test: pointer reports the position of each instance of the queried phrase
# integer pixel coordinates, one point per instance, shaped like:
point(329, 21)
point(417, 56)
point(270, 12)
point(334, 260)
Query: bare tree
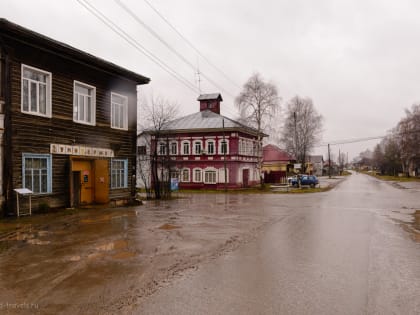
point(341, 162)
point(156, 116)
point(257, 104)
point(408, 130)
point(302, 128)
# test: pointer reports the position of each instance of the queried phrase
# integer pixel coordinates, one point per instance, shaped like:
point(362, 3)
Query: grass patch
point(394, 178)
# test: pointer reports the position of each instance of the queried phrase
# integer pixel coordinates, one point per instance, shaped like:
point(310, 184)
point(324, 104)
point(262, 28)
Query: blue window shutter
point(126, 173)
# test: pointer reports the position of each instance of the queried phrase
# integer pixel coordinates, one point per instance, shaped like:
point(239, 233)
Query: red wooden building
point(201, 146)
point(276, 164)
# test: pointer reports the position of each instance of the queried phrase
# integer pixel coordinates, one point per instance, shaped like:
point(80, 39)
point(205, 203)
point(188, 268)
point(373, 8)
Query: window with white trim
point(119, 111)
point(37, 173)
point(174, 148)
point(222, 175)
point(198, 175)
point(84, 103)
point(197, 147)
point(224, 146)
point(185, 147)
point(211, 147)
point(185, 175)
point(36, 91)
point(210, 176)
point(162, 148)
point(119, 173)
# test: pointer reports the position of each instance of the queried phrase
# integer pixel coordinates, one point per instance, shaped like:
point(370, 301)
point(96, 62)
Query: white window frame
point(121, 172)
point(221, 175)
point(176, 148)
point(214, 147)
point(189, 147)
point(195, 142)
point(48, 157)
point(199, 171)
point(185, 171)
point(161, 145)
point(206, 178)
point(93, 114)
point(123, 107)
point(47, 92)
point(220, 146)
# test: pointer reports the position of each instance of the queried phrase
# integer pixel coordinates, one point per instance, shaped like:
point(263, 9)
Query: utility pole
point(224, 152)
point(329, 161)
point(339, 161)
point(296, 146)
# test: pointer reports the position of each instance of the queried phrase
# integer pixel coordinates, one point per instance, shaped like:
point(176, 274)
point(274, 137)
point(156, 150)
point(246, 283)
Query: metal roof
point(213, 96)
point(273, 153)
point(29, 37)
point(204, 120)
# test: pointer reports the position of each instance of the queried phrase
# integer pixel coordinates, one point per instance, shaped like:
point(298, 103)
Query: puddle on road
point(119, 248)
point(114, 245)
point(414, 227)
point(411, 226)
point(168, 226)
point(30, 237)
point(124, 255)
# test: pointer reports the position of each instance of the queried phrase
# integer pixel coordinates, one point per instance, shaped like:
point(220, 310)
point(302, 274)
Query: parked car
point(305, 180)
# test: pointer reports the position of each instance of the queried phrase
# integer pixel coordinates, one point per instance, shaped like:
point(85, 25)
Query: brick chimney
point(210, 102)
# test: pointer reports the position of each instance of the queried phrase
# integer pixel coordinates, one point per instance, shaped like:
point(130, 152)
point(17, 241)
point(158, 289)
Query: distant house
point(316, 165)
point(206, 150)
point(68, 123)
point(276, 164)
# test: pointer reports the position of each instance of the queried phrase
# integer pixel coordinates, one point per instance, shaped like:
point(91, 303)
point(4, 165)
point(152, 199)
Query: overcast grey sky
point(357, 60)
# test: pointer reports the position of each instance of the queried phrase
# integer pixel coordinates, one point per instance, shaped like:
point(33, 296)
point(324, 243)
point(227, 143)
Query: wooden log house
point(67, 123)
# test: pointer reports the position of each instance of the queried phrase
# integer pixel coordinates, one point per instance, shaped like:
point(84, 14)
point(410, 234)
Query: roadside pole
point(329, 162)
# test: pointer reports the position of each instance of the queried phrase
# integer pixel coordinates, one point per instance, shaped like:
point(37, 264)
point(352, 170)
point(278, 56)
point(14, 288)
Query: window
point(36, 91)
point(223, 147)
point(119, 111)
point(210, 147)
point(197, 147)
point(37, 172)
point(197, 175)
point(174, 148)
point(186, 148)
point(222, 175)
point(162, 148)
point(185, 175)
point(84, 103)
point(119, 173)
point(210, 177)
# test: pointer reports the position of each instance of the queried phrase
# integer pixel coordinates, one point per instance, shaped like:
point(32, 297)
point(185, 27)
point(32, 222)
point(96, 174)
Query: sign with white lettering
point(81, 150)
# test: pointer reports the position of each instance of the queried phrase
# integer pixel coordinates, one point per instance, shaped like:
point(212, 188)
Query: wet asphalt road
point(352, 250)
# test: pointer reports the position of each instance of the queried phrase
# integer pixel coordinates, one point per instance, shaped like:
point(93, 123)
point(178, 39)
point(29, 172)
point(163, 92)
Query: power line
point(348, 141)
point(167, 45)
point(191, 45)
point(134, 43)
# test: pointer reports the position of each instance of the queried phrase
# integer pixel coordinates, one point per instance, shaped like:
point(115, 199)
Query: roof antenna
point(198, 73)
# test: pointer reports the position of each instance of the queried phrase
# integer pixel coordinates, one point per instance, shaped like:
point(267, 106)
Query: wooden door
point(245, 177)
point(101, 181)
point(86, 180)
point(76, 189)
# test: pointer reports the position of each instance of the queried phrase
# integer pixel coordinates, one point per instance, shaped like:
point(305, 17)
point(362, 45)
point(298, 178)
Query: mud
point(103, 260)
